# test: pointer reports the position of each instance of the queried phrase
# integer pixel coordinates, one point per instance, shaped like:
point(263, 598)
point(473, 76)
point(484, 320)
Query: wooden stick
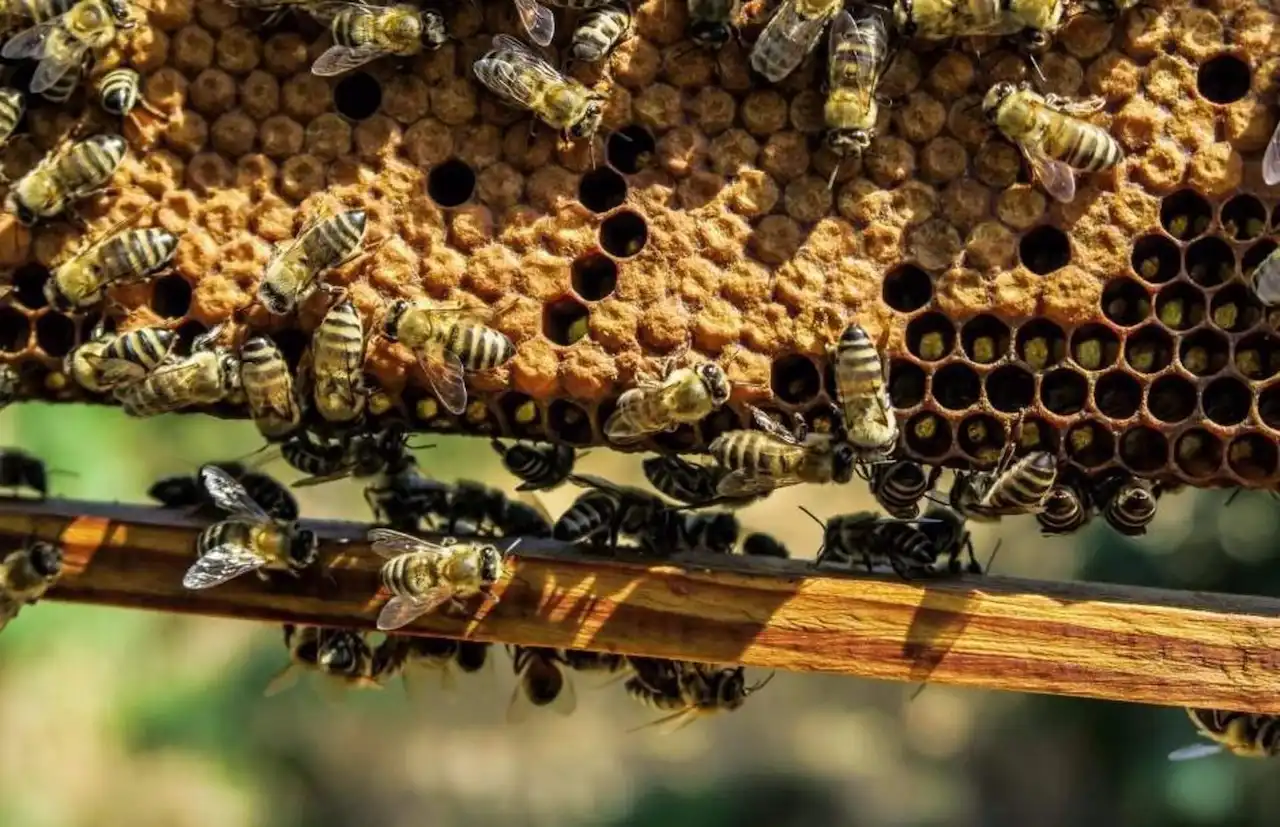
point(1082, 639)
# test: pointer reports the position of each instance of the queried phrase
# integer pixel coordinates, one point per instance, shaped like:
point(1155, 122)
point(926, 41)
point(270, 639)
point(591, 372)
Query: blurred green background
point(132, 719)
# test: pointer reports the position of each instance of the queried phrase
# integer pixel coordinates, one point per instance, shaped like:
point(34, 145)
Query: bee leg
point(264, 577)
point(799, 426)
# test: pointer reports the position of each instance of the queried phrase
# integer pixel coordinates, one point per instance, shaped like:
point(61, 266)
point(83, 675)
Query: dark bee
point(541, 682)
point(476, 506)
point(671, 531)
point(581, 660)
point(1240, 733)
point(18, 469)
point(759, 544)
point(25, 575)
point(1128, 504)
point(540, 467)
point(404, 498)
point(1067, 508)
point(690, 482)
point(521, 519)
point(900, 485)
point(360, 455)
point(342, 654)
point(606, 512)
point(945, 529)
point(687, 690)
point(876, 540)
point(1014, 487)
point(471, 655)
point(186, 492)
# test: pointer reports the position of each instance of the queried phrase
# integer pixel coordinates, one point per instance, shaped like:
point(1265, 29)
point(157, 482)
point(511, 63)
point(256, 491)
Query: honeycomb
point(701, 216)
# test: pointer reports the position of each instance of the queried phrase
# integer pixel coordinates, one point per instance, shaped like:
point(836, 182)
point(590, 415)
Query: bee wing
point(538, 21)
point(535, 502)
point(326, 12)
point(1057, 178)
point(444, 372)
point(58, 60)
point(1271, 160)
point(512, 77)
point(802, 33)
point(1193, 751)
point(117, 371)
point(619, 427)
point(591, 481)
point(220, 564)
point(283, 680)
point(855, 67)
point(230, 495)
point(1077, 108)
point(401, 611)
point(389, 543)
point(176, 374)
point(772, 427)
point(29, 43)
point(741, 483)
point(338, 59)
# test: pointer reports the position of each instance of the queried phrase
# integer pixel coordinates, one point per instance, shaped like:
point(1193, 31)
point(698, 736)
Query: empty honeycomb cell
point(602, 190)
point(1144, 450)
point(907, 288)
point(1210, 261)
point(1156, 259)
point(1125, 302)
point(15, 330)
point(1224, 79)
point(1171, 399)
point(906, 384)
point(928, 435)
point(623, 234)
point(1041, 344)
point(795, 380)
point(1257, 356)
point(171, 296)
point(28, 285)
point(452, 183)
point(357, 96)
point(957, 386)
point(1090, 444)
point(1180, 306)
point(1117, 395)
point(1034, 434)
point(1204, 352)
point(565, 321)
point(521, 414)
point(1268, 407)
point(981, 437)
point(721, 422)
point(55, 334)
point(1186, 214)
point(1253, 457)
point(985, 339)
point(1010, 389)
point(569, 423)
point(931, 337)
point(1064, 391)
point(1244, 217)
point(1149, 349)
point(1198, 453)
point(1235, 309)
point(594, 276)
point(1095, 346)
point(1226, 401)
point(1044, 250)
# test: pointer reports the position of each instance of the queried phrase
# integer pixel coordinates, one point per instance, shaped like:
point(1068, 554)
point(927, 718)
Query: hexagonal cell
point(1045, 249)
point(1255, 255)
point(906, 288)
point(520, 413)
point(602, 189)
point(1149, 349)
point(1180, 306)
point(623, 234)
point(1125, 302)
point(1224, 78)
point(1198, 453)
point(795, 380)
point(293, 343)
point(1185, 214)
point(720, 422)
point(1095, 346)
point(1090, 444)
point(1041, 344)
point(956, 386)
point(28, 285)
point(1144, 450)
point(1011, 388)
point(1226, 401)
point(569, 423)
point(1156, 259)
point(357, 96)
point(594, 276)
point(15, 330)
point(186, 334)
point(1235, 309)
point(565, 321)
point(928, 435)
point(985, 339)
point(1171, 399)
point(1253, 457)
point(1244, 217)
point(451, 183)
point(1117, 395)
point(1210, 261)
point(171, 296)
point(630, 149)
point(1204, 352)
point(1257, 356)
point(1269, 407)
point(1034, 434)
point(981, 437)
point(1063, 391)
point(906, 384)
point(931, 337)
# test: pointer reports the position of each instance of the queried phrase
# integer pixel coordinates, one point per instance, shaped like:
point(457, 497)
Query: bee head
point(1136, 499)
point(710, 34)
point(842, 462)
point(996, 96)
point(722, 533)
point(46, 558)
point(273, 298)
point(25, 215)
point(716, 382)
point(303, 547)
point(587, 125)
point(731, 688)
point(391, 324)
point(338, 653)
point(434, 33)
point(846, 142)
point(491, 564)
point(1061, 500)
point(120, 11)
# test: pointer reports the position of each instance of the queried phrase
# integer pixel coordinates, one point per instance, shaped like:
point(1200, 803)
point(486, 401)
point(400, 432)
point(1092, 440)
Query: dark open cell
point(928, 435)
point(681, 440)
point(1227, 401)
point(1117, 395)
point(1244, 217)
point(1095, 347)
point(357, 96)
point(1185, 214)
point(1253, 457)
point(594, 276)
point(931, 337)
point(15, 330)
point(55, 334)
point(1269, 407)
point(623, 234)
point(187, 333)
point(906, 384)
point(1255, 255)
point(171, 296)
point(1198, 453)
point(89, 326)
point(1224, 78)
point(1041, 344)
point(1210, 261)
point(1180, 306)
point(1090, 444)
point(907, 288)
point(1257, 356)
point(1204, 352)
point(721, 422)
point(1011, 388)
point(1125, 302)
point(630, 149)
point(1149, 350)
point(292, 344)
point(451, 183)
point(795, 379)
point(1172, 399)
point(981, 437)
point(1064, 391)
point(602, 189)
point(1144, 450)
point(985, 339)
point(1034, 434)
point(1045, 249)
point(520, 413)
point(1156, 259)
point(957, 387)
point(569, 423)
point(1235, 308)
point(28, 285)
point(564, 321)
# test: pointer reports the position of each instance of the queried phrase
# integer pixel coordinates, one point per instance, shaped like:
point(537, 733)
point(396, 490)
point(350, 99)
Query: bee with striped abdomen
point(945, 528)
point(404, 499)
point(65, 86)
point(691, 483)
point(19, 469)
point(599, 32)
point(448, 341)
point(867, 420)
point(25, 575)
point(12, 108)
point(606, 512)
point(790, 35)
point(1242, 734)
point(857, 54)
point(1014, 487)
point(66, 42)
point(250, 539)
point(119, 93)
point(206, 377)
point(340, 654)
point(1031, 21)
point(899, 486)
point(524, 80)
point(65, 176)
point(319, 458)
point(760, 461)
point(363, 33)
point(759, 544)
point(294, 269)
point(108, 360)
point(10, 385)
point(358, 454)
point(711, 22)
point(539, 467)
point(337, 364)
point(1053, 139)
point(186, 491)
point(580, 660)
point(671, 531)
point(684, 397)
point(1067, 508)
point(875, 541)
point(687, 691)
point(541, 683)
point(1128, 504)
point(116, 257)
point(268, 387)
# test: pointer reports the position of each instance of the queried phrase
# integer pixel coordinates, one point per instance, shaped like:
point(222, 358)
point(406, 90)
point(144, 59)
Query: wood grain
point(1082, 639)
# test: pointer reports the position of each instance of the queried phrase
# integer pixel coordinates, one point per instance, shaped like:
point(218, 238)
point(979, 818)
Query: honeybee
point(404, 498)
point(64, 43)
point(12, 108)
point(363, 33)
point(108, 360)
point(541, 682)
point(342, 654)
point(759, 544)
point(580, 660)
point(1014, 487)
point(423, 576)
point(188, 492)
point(526, 81)
point(1053, 139)
point(25, 575)
point(1067, 508)
point(62, 90)
point(605, 512)
point(67, 175)
point(761, 461)
point(1239, 733)
point(447, 341)
point(868, 421)
point(120, 93)
point(1033, 21)
point(19, 469)
point(10, 385)
point(206, 377)
point(945, 528)
point(353, 454)
point(671, 531)
point(250, 540)
point(900, 486)
point(294, 268)
point(337, 359)
point(599, 32)
point(539, 467)
point(711, 22)
point(685, 396)
point(132, 255)
point(857, 53)
point(790, 35)
point(875, 540)
point(1128, 503)
point(1265, 278)
point(268, 387)
point(690, 482)
point(688, 690)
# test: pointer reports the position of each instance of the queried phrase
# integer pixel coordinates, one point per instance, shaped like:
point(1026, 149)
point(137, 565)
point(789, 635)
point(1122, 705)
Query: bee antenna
point(922, 687)
point(814, 517)
point(58, 472)
point(512, 547)
point(831, 182)
point(1232, 497)
point(987, 568)
point(933, 498)
point(756, 687)
point(419, 447)
point(1035, 64)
